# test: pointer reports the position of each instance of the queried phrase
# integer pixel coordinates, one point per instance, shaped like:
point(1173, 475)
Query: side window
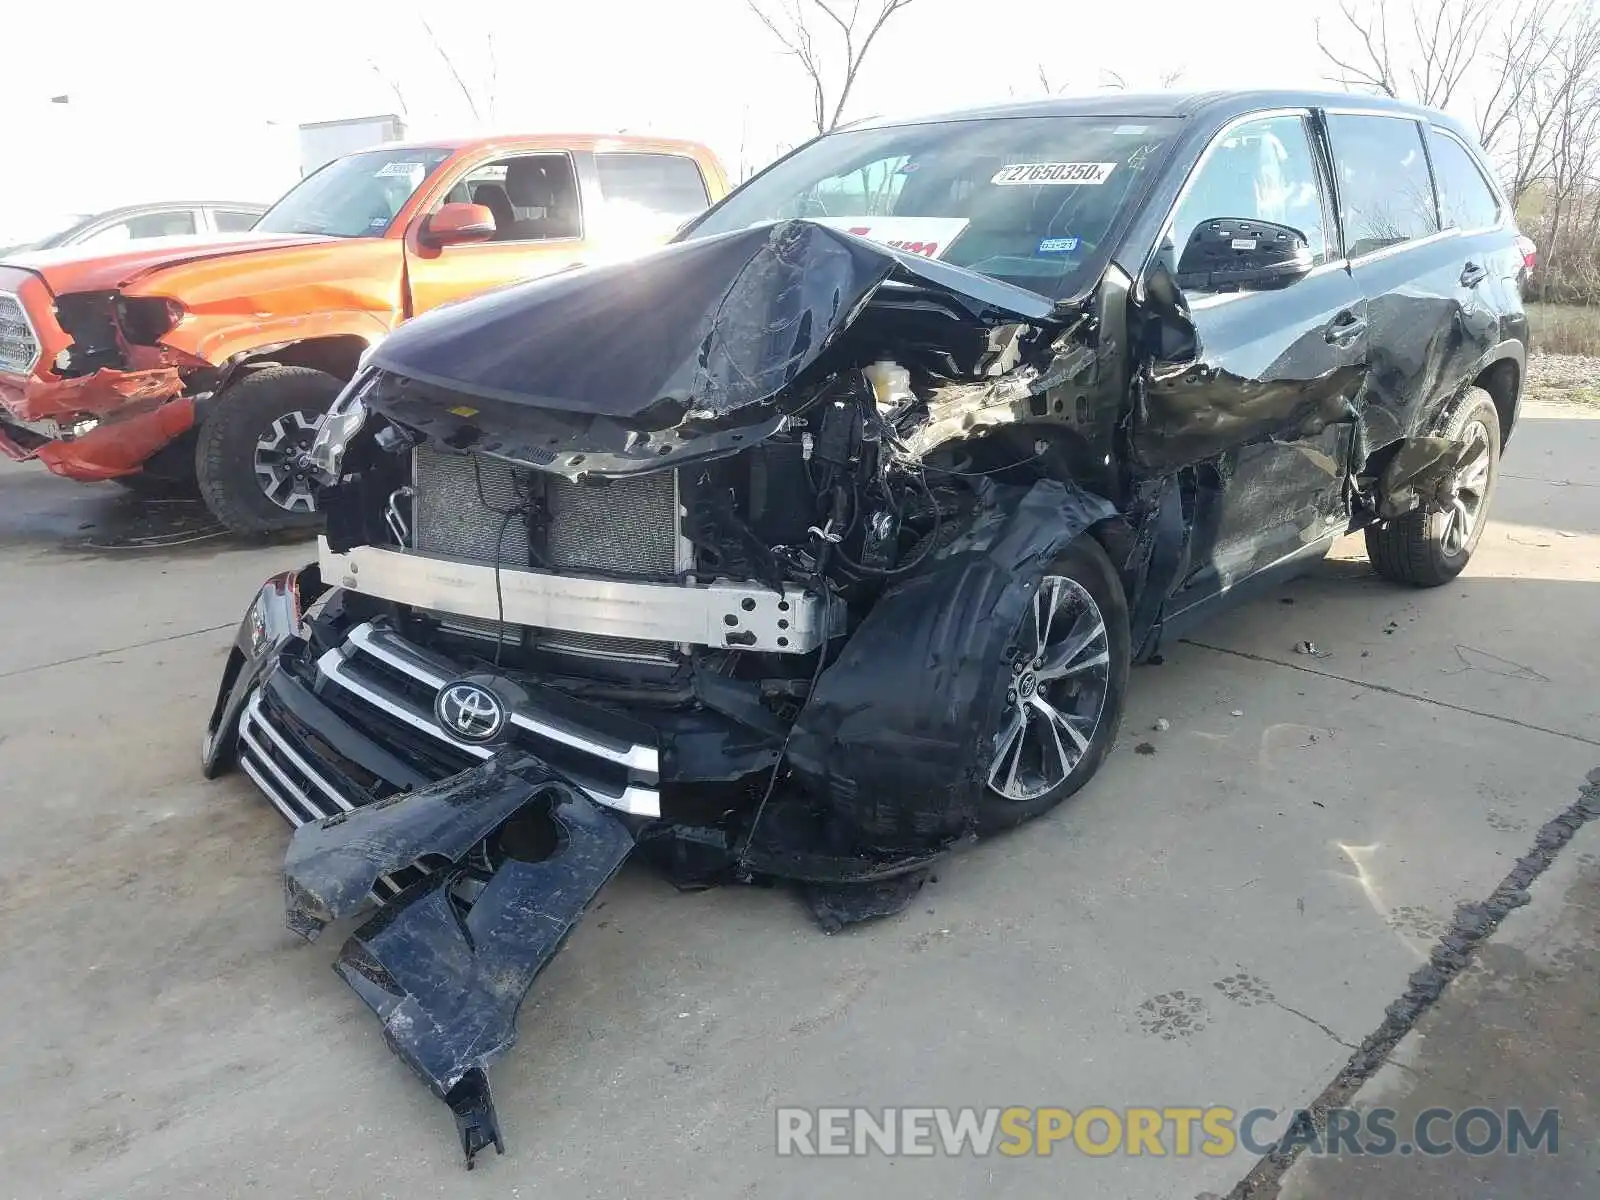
point(666, 185)
point(1466, 201)
point(150, 225)
point(231, 221)
point(1385, 190)
point(164, 224)
point(1263, 170)
point(534, 197)
point(110, 235)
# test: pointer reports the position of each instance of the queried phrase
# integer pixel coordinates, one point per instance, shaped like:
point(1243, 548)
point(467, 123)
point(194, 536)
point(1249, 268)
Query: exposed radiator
point(460, 505)
point(628, 527)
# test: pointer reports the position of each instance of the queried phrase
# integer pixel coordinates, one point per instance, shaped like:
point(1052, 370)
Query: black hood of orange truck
point(698, 330)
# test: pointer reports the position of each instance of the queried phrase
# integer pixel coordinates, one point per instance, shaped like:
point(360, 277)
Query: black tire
point(225, 453)
point(1085, 563)
point(1416, 548)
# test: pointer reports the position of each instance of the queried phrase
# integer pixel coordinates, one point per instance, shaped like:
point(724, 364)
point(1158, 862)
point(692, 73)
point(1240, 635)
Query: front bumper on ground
point(138, 412)
point(484, 856)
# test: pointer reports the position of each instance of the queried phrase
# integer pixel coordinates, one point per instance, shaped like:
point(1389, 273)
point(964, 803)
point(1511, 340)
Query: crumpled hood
point(700, 328)
point(92, 269)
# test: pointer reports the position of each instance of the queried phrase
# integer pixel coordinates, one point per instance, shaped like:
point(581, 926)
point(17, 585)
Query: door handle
point(1344, 327)
point(1472, 275)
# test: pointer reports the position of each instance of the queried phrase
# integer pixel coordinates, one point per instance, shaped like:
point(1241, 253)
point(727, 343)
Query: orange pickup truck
point(184, 361)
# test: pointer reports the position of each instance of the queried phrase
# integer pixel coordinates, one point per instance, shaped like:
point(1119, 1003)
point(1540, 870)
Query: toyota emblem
point(470, 711)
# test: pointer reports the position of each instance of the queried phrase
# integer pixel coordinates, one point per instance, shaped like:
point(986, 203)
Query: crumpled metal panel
point(699, 328)
point(445, 976)
point(901, 716)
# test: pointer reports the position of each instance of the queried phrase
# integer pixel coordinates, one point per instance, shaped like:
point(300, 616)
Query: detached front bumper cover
point(514, 855)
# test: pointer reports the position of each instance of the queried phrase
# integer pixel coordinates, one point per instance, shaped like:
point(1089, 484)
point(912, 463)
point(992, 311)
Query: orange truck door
point(539, 229)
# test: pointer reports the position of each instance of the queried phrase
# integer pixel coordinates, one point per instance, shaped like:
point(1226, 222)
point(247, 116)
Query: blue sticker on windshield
point(1058, 245)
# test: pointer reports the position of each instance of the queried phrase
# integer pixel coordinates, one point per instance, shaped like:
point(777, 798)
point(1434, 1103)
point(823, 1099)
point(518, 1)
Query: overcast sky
point(200, 100)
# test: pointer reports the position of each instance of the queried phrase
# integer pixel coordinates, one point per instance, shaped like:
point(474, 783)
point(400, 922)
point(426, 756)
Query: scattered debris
point(1285, 599)
point(1238, 712)
point(1311, 649)
point(1144, 748)
point(1162, 725)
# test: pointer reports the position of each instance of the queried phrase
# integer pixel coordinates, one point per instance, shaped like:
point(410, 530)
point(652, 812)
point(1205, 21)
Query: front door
point(1262, 414)
point(539, 230)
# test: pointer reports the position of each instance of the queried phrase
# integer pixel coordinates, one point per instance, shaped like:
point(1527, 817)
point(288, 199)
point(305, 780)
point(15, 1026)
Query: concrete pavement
point(1219, 918)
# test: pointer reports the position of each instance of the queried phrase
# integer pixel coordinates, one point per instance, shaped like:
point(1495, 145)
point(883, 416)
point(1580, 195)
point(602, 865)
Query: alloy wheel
point(1057, 692)
point(280, 462)
point(1470, 491)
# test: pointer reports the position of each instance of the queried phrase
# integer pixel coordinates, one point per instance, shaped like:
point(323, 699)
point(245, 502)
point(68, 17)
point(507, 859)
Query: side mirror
point(455, 224)
point(1238, 254)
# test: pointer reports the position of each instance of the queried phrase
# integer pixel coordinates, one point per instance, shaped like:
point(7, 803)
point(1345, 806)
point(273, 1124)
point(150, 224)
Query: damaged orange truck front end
point(208, 361)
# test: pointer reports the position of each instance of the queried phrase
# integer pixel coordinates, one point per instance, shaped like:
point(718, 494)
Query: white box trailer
point(323, 141)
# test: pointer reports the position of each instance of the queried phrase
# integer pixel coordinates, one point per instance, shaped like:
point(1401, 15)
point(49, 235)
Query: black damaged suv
point(825, 537)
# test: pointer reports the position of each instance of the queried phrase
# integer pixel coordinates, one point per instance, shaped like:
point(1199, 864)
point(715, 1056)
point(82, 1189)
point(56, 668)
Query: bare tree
point(1444, 38)
point(795, 24)
point(1534, 67)
point(469, 94)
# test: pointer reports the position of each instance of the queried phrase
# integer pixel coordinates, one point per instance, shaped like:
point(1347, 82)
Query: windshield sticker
point(1129, 130)
point(1022, 174)
point(929, 237)
point(407, 169)
point(1058, 245)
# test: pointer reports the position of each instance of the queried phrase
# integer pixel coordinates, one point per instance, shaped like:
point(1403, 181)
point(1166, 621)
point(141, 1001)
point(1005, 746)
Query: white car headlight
point(341, 423)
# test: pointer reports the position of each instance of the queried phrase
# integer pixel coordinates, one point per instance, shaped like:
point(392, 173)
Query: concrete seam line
point(1473, 924)
point(1393, 691)
point(76, 658)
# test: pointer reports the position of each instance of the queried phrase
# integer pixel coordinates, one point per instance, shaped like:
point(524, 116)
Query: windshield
point(354, 196)
point(1026, 200)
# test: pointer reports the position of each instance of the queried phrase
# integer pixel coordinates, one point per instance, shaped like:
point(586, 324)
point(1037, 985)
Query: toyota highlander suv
point(824, 538)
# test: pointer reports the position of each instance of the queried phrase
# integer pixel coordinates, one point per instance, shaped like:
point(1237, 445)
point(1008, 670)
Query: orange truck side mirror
point(455, 224)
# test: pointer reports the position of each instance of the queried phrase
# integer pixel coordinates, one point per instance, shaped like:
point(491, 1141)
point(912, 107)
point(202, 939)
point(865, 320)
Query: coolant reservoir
point(891, 384)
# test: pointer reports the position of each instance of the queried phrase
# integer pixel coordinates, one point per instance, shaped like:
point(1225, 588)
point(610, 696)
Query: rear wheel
point(250, 457)
point(1065, 696)
point(1427, 549)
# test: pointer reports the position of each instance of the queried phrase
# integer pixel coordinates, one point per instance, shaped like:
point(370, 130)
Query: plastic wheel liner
point(446, 977)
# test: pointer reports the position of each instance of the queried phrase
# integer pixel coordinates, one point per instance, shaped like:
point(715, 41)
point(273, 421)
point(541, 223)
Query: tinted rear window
point(1466, 200)
point(1026, 200)
point(667, 184)
point(1385, 190)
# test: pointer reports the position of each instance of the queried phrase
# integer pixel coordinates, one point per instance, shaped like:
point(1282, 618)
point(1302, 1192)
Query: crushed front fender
point(514, 855)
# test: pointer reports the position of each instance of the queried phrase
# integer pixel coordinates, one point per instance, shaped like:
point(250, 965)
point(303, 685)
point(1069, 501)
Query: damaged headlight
point(341, 423)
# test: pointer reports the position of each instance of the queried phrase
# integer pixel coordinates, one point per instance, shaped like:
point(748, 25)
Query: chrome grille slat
point(19, 344)
point(343, 667)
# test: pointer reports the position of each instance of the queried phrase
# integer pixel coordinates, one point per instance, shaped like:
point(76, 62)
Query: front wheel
point(1065, 696)
point(1426, 549)
point(250, 456)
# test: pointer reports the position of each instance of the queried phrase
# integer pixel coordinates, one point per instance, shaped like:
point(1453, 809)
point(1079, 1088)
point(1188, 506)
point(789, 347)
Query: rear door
point(540, 220)
point(1429, 326)
point(1262, 413)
